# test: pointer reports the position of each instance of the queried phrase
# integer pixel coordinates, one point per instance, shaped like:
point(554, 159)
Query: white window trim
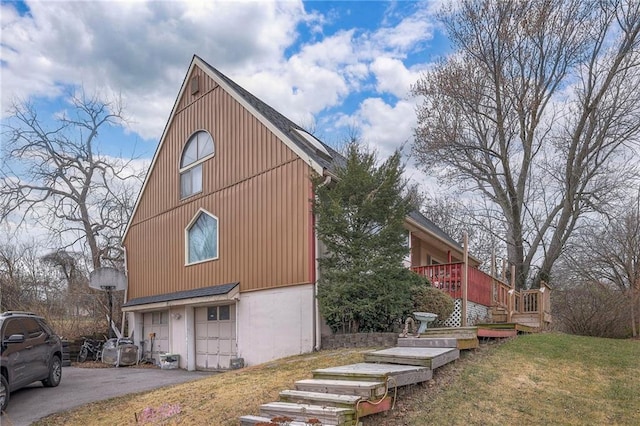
point(195, 163)
point(184, 169)
point(186, 237)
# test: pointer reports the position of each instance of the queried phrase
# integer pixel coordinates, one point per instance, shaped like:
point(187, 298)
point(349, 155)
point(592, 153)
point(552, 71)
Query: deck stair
point(425, 357)
point(466, 337)
point(429, 342)
point(342, 395)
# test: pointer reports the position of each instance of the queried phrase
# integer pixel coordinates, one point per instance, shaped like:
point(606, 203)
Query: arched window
point(202, 238)
point(198, 148)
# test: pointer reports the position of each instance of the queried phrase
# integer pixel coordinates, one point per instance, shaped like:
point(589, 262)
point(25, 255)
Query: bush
point(591, 310)
point(431, 299)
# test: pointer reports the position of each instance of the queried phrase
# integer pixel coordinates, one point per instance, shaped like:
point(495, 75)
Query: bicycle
point(90, 346)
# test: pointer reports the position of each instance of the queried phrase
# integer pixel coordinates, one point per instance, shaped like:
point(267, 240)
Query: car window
point(12, 326)
point(33, 328)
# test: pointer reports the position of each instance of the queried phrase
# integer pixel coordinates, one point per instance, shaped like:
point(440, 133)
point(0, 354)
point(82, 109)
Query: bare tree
point(455, 217)
point(537, 112)
point(53, 173)
point(609, 254)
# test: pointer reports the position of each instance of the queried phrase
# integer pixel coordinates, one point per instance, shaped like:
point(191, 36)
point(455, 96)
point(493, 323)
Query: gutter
point(318, 337)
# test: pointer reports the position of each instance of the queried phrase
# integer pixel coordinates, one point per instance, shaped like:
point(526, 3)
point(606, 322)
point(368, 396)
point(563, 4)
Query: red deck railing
point(488, 291)
point(448, 278)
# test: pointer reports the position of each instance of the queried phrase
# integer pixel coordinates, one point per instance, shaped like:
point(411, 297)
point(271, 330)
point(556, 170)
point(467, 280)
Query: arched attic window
point(198, 148)
point(201, 238)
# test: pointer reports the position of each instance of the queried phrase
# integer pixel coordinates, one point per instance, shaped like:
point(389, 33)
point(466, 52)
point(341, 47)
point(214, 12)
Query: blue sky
point(332, 66)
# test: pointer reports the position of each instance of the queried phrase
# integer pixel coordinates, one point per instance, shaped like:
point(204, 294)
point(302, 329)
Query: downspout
point(318, 337)
point(126, 290)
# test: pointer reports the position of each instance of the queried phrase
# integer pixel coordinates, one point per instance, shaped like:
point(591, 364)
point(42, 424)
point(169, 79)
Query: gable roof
point(285, 129)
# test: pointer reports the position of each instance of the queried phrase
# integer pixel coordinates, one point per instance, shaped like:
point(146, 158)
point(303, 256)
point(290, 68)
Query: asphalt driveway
point(81, 386)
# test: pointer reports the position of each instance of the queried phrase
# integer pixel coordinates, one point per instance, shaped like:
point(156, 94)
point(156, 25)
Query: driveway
point(81, 386)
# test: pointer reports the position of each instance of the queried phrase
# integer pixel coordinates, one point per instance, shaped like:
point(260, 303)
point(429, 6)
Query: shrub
point(431, 299)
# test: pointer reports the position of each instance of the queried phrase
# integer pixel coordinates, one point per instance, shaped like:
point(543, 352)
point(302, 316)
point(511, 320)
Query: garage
point(156, 324)
point(215, 336)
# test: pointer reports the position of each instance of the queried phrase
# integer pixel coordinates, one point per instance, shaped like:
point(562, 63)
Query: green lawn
point(539, 379)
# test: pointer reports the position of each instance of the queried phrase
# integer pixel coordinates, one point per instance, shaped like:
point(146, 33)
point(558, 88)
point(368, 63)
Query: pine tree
point(363, 285)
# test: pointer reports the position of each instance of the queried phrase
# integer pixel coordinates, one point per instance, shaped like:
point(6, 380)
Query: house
point(220, 248)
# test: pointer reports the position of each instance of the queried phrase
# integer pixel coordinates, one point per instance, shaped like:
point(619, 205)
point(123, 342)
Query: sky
point(329, 66)
point(333, 67)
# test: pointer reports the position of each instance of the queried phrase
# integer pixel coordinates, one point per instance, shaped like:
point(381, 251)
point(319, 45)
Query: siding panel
point(258, 188)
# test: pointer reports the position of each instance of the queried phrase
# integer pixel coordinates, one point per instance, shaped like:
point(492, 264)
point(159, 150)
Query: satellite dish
point(107, 278)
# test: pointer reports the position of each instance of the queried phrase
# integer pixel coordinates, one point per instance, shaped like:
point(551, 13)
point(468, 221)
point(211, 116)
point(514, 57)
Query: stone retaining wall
point(359, 340)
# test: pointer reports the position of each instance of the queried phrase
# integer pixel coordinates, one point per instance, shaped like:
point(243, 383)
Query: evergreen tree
point(363, 285)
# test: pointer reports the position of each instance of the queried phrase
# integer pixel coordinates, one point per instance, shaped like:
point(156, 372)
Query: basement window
point(198, 148)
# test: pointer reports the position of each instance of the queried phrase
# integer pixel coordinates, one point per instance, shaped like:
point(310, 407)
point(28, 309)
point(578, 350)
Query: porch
point(530, 308)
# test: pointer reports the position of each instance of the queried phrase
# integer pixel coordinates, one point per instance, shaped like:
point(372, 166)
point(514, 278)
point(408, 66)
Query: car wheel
point(4, 394)
point(82, 355)
point(55, 373)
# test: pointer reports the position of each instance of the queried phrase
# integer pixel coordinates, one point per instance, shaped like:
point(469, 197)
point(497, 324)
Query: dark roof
point(285, 125)
point(288, 127)
point(215, 290)
point(422, 220)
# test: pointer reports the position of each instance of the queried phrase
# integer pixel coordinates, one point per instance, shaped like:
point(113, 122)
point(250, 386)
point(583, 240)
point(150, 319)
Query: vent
point(195, 84)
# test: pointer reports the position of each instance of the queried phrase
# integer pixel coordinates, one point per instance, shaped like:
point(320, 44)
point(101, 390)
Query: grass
point(536, 379)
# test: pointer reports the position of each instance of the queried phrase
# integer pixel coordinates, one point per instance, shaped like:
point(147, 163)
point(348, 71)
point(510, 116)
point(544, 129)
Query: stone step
point(308, 412)
point(425, 357)
point(428, 342)
point(255, 420)
point(360, 404)
point(393, 374)
point(368, 390)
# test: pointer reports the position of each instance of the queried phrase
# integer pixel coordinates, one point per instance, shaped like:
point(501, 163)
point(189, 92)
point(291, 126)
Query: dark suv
point(29, 351)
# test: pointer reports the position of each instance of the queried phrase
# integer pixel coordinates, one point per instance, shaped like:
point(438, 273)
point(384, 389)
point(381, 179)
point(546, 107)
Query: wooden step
point(425, 357)
point(362, 406)
point(428, 342)
point(395, 374)
point(451, 332)
point(254, 420)
point(494, 332)
point(368, 390)
point(306, 412)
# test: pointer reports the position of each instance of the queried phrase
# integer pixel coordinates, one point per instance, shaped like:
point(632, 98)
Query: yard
point(533, 379)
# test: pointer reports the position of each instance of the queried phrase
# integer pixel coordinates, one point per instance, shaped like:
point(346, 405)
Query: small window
point(198, 148)
point(160, 317)
point(219, 313)
point(223, 313)
point(202, 238)
point(12, 326)
point(212, 313)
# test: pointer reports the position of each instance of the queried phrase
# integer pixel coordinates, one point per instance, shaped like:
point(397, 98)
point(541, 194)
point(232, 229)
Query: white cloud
point(139, 49)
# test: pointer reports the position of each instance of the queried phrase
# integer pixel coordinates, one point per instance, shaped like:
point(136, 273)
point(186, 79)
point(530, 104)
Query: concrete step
point(393, 374)
point(362, 406)
point(424, 357)
point(368, 390)
point(255, 420)
point(428, 342)
point(308, 413)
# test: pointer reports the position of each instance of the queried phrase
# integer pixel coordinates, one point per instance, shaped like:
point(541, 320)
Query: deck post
point(464, 279)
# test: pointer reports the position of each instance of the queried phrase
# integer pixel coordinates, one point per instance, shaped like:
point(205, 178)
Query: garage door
point(215, 336)
point(156, 323)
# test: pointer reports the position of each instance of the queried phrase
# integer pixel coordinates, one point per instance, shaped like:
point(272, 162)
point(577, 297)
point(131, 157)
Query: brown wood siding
point(256, 186)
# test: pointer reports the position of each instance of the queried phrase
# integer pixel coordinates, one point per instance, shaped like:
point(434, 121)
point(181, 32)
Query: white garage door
point(215, 336)
point(156, 323)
